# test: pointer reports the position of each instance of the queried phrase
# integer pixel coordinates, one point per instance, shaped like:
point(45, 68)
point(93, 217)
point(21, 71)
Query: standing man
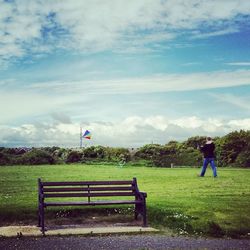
point(208, 152)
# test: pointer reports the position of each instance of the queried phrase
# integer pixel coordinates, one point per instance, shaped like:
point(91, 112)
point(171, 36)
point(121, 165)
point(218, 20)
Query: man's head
point(209, 138)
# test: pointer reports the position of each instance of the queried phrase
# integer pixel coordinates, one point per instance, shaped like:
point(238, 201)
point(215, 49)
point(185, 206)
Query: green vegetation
point(177, 198)
point(232, 150)
point(56, 155)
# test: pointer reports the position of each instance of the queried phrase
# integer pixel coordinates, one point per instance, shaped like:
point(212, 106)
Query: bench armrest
point(141, 195)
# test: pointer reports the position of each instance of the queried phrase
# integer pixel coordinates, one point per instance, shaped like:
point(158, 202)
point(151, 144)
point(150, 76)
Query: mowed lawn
point(177, 198)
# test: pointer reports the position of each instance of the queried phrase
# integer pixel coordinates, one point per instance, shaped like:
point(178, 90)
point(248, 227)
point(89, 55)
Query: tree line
point(232, 149)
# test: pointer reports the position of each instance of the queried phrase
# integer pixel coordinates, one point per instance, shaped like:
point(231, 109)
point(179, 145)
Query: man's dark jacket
point(208, 150)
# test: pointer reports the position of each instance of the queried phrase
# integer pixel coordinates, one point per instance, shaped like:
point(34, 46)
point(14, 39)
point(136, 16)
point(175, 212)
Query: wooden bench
point(90, 193)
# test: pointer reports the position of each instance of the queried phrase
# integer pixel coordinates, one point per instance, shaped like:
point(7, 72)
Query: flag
point(87, 135)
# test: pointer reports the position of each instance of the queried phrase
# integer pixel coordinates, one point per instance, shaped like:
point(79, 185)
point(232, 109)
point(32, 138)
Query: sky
point(132, 72)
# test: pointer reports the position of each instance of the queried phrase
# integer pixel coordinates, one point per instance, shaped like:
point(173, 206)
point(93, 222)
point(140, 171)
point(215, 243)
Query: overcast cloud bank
point(131, 132)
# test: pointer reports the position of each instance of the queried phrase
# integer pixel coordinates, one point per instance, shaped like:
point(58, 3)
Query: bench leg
point(144, 215)
point(39, 216)
point(136, 211)
point(42, 220)
point(142, 210)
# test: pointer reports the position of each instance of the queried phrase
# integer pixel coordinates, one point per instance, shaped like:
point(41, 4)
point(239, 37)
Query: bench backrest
point(88, 189)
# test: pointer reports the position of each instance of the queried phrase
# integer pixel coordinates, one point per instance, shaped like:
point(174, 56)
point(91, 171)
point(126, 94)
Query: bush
point(195, 141)
point(91, 152)
point(243, 159)
point(231, 145)
point(4, 159)
point(74, 156)
point(35, 157)
point(60, 155)
point(114, 154)
point(148, 151)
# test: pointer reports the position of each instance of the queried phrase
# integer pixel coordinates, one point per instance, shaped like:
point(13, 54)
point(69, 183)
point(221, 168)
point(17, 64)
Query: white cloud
point(154, 84)
point(29, 26)
point(211, 125)
point(131, 132)
point(240, 124)
point(188, 122)
point(191, 63)
point(70, 129)
point(16, 105)
point(239, 63)
point(215, 33)
point(61, 117)
point(46, 97)
point(190, 14)
point(238, 101)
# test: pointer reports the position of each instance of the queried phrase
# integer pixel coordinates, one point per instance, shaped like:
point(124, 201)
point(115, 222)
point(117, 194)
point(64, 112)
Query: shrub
point(91, 152)
point(231, 145)
point(74, 156)
point(60, 155)
point(148, 151)
point(114, 154)
point(4, 159)
point(35, 157)
point(243, 159)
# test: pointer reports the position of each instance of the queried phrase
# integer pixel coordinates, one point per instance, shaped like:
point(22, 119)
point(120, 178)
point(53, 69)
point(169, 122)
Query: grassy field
point(177, 198)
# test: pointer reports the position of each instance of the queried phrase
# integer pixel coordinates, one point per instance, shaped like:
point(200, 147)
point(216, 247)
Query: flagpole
point(80, 137)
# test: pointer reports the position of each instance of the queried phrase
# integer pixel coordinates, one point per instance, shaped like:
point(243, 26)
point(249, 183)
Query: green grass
point(177, 198)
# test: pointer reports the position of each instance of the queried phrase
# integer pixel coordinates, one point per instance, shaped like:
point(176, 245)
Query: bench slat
point(79, 183)
point(54, 195)
point(74, 189)
point(93, 203)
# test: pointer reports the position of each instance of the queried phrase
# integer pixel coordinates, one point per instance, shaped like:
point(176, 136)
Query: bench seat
point(91, 203)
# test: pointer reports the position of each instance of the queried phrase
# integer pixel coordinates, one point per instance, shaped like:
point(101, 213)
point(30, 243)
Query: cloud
point(38, 99)
point(134, 131)
point(240, 124)
point(60, 117)
point(234, 100)
point(153, 84)
point(34, 27)
point(191, 64)
point(214, 33)
point(20, 104)
point(239, 63)
point(191, 14)
point(14, 105)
